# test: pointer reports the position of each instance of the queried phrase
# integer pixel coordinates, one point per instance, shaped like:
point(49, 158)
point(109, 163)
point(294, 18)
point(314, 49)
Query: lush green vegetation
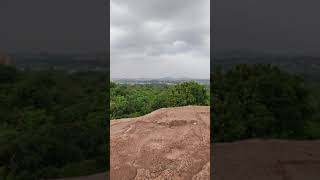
point(137, 100)
point(262, 101)
point(52, 124)
point(313, 126)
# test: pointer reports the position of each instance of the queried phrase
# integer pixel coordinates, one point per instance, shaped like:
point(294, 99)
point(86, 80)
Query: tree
point(8, 74)
point(188, 93)
point(258, 101)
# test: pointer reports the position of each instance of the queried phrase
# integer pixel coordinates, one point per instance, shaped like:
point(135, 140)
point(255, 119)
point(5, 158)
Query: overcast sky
point(160, 38)
point(53, 25)
point(271, 26)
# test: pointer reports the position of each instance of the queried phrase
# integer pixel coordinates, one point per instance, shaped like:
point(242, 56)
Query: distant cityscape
point(167, 81)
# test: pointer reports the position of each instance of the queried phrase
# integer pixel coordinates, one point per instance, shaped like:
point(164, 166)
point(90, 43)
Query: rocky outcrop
point(258, 159)
point(170, 143)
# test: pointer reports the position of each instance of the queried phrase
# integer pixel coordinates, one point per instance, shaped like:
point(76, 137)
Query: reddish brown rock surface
point(266, 160)
point(170, 143)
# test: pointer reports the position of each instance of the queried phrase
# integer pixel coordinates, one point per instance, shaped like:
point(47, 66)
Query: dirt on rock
point(170, 143)
point(266, 159)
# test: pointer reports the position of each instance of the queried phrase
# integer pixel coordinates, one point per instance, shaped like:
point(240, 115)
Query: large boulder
point(266, 159)
point(170, 143)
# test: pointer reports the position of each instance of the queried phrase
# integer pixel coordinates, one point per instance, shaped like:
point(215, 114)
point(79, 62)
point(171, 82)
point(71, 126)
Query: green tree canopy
point(258, 101)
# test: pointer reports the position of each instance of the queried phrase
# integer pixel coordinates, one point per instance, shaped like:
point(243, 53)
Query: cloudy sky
point(270, 26)
point(66, 26)
point(160, 38)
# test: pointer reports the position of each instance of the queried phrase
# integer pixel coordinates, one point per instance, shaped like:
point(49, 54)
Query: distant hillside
point(65, 62)
point(308, 66)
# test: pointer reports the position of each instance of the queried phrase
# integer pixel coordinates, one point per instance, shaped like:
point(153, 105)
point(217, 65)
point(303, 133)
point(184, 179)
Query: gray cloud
point(157, 38)
point(270, 26)
point(53, 25)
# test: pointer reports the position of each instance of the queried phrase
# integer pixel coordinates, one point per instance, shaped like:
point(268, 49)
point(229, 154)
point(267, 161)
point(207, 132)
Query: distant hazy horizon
point(160, 38)
point(112, 77)
point(158, 78)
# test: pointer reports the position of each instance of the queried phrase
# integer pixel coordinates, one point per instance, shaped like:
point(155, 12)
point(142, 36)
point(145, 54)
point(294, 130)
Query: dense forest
point(137, 100)
point(263, 101)
point(52, 124)
point(247, 101)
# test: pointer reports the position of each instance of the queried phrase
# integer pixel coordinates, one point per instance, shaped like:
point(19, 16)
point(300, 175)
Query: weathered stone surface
point(266, 159)
point(170, 143)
